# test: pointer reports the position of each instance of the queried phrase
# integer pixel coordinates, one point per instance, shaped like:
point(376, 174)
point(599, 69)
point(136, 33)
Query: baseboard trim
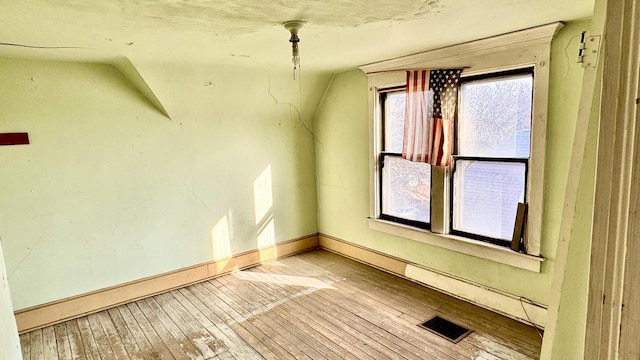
point(496, 300)
point(40, 316)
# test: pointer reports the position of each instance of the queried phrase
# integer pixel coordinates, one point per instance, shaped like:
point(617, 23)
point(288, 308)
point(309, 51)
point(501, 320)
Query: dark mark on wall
point(40, 47)
point(208, 83)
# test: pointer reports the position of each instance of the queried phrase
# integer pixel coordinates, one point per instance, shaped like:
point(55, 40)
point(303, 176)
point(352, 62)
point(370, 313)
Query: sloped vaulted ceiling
point(339, 34)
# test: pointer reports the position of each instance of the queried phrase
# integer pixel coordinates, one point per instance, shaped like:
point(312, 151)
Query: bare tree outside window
point(494, 138)
point(495, 117)
point(406, 185)
point(489, 173)
point(394, 106)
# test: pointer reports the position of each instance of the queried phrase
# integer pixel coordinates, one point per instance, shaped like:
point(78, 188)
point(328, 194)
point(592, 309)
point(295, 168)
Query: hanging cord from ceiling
point(295, 53)
point(293, 26)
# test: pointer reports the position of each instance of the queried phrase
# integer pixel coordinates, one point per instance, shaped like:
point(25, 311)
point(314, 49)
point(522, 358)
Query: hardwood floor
point(316, 305)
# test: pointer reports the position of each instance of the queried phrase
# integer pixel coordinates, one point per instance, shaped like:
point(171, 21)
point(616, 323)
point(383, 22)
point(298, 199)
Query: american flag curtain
point(432, 96)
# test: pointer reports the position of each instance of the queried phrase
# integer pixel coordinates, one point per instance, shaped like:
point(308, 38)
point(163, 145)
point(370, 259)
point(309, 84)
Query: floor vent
point(446, 329)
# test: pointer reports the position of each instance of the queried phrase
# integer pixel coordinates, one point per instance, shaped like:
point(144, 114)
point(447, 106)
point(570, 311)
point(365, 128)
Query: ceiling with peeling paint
point(338, 34)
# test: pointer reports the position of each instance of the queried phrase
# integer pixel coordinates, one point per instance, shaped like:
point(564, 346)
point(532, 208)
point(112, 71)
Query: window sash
point(449, 196)
point(488, 77)
point(383, 216)
point(491, 77)
point(383, 96)
point(452, 197)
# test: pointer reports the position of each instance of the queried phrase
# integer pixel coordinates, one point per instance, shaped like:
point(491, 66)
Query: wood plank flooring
point(315, 305)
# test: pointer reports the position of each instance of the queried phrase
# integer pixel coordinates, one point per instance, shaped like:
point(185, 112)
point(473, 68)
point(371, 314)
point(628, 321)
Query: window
point(499, 149)
point(406, 185)
point(490, 166)
point(493, 146)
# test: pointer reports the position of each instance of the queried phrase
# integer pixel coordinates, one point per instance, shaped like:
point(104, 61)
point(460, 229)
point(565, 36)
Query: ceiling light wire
point(293, 26)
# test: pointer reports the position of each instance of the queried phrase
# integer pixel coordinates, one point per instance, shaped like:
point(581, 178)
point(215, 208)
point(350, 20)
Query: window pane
point(495, 117)
point(486, 196)
point(406, 189)
point(394, 121)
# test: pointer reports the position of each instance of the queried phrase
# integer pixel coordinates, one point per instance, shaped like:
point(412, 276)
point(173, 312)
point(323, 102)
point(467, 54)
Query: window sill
point(460, 244)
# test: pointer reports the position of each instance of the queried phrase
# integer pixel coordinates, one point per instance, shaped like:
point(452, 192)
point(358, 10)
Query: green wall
point(343, 181)
point(110, 190)
point(571, 318)
point(571, 321)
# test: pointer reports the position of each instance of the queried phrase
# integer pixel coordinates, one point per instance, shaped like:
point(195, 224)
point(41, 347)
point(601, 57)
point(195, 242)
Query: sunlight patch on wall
point(221, 239)
point(267, 241)
point(262, 192)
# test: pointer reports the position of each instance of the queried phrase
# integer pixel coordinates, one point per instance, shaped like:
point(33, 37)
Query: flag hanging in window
point(432, 96)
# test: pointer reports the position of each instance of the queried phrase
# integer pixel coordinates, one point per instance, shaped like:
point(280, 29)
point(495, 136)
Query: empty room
point(439, 179)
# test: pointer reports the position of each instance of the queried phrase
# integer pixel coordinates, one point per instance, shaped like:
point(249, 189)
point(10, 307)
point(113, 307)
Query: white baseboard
point(486, 297)
point(69, 308)
point(496, 300)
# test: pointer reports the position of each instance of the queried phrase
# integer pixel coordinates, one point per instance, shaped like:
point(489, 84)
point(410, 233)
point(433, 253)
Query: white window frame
point(525, 48)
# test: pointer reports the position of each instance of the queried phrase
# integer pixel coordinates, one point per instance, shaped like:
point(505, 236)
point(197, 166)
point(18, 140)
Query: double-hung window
point(498, 155)
point(492, 154)
point(489, 169)
point(406, 186)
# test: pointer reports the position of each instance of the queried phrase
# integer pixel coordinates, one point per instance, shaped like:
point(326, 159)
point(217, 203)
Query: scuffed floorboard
point(315, 305)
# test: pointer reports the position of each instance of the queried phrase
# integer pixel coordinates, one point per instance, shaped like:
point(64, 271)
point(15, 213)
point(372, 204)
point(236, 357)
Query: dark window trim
point(399, 220)
point(383, 216)
point(392, 89)
point(453, 231)
point(419, 224)
point(528, 70)
point(383, 98)
point(477, 237)
point(382, 93)
point(491, 158)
